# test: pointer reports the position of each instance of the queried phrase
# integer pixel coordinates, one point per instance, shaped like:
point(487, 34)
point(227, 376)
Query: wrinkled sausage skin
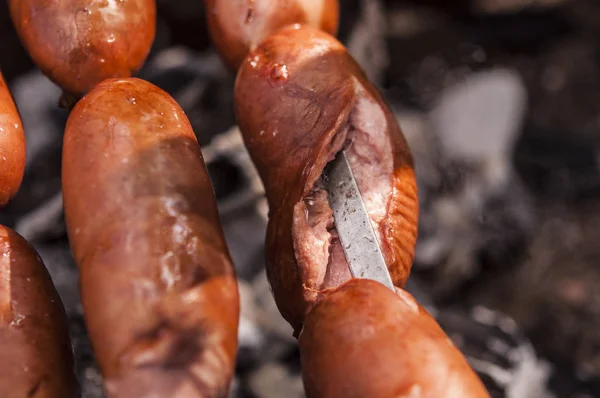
point(35, 347)
point(12, 146)
point(157, 283)
point(237, 26)
point(363, 340)
point(299, 99)
point(79, 43)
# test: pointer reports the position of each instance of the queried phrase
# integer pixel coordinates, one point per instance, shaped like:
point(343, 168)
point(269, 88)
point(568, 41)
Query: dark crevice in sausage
point(35, 388)
point(68, 100)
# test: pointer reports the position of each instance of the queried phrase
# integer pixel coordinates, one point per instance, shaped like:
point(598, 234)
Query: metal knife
point(353, 225)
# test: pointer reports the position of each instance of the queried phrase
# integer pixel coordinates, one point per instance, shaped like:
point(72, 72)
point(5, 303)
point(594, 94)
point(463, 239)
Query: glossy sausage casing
point(12, 146)
point(299, 99)
point(158, 287)
point(37, 357)
point(79, 43)
point(365, 341)
point(237, 26)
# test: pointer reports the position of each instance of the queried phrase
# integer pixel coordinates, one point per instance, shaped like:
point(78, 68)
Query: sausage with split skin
point(79, 43)
point(362, 340)
point(299, 99)
point(237, 26)
point(157, 283)
point(12, 146)
point(35, 347)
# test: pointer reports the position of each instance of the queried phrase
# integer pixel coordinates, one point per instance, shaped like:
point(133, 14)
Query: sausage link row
point(158, 287)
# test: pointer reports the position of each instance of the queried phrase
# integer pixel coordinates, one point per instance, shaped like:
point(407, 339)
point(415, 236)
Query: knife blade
point(353, 224)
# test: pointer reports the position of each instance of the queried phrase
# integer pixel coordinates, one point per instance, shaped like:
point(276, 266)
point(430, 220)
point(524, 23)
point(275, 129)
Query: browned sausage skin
point(365, 341)
point(37, 357)
point(299, 99)
point(237, 26)
point(158, 287)
point(78, 43)
point(12, 146)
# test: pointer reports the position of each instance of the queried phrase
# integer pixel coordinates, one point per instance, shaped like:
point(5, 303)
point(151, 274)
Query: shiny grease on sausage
point(158, 287)
point(299, 99)
point(12, 145)
point(37, 357)
point(363, 340)
point(79, 43)
point(237, 26)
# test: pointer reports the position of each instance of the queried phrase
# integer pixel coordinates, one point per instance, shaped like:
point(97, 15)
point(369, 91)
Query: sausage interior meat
point(300, 98)
point(36, 353)
point(12, 145)
point(158, 287)
point(237, 26)
point(387, 346)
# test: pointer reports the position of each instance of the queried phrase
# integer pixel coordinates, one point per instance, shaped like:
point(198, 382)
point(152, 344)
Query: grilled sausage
point(364, 341)
point(157, 283)
point(299, 99)
point(37, 357)
point(79, 43)
point(237, 26)
point(12, 146)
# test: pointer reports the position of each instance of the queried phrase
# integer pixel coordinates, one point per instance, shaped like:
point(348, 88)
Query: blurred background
point(500, 103)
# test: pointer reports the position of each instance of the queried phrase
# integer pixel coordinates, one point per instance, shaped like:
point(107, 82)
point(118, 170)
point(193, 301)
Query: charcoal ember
point(268, 359)
point(90, 379)
point(239, 192)
point(559, 166)
point(274, 380)
point(522, 30)
point(186, 23)
point(44, 222)
point(350, 13)
point(36, 98)
point(249, 260)
point(181, 9)
point(418, 289)
point(366, 42)
point(199, 83)
point(270, 319)
point(267, 337)
point(428, 52)
point(251, 337)
point(57, 257)
point(242, 184)
point(554, 294)
point(566, 383)
point(509, 6)
point(498, 351)
point(236, 389)
point(13, 57)
point(475, 212)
